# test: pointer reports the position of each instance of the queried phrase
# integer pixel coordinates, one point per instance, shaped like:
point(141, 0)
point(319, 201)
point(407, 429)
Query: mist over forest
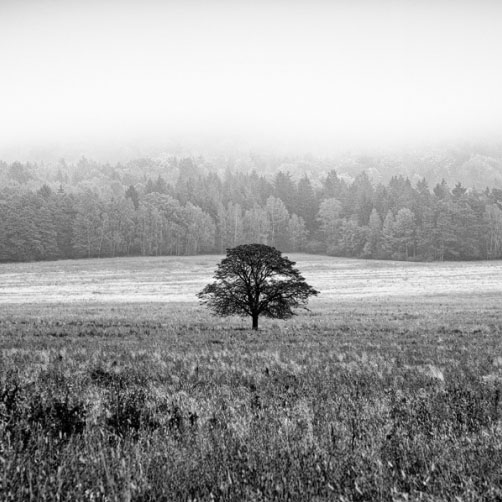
point(442, 203)
point(475, 164)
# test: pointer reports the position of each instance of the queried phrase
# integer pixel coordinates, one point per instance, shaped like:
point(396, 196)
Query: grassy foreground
point(373, 400)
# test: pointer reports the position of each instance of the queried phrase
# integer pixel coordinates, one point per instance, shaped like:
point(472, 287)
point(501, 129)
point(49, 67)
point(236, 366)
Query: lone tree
point(255, 280)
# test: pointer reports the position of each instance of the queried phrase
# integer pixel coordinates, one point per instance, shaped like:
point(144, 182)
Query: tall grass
point(375, 402)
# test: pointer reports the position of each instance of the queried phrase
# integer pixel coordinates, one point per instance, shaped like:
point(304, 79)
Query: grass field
point(116, 385)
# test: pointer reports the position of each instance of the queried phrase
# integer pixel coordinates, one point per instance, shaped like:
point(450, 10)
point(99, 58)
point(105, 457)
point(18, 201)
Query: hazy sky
point(312, 71)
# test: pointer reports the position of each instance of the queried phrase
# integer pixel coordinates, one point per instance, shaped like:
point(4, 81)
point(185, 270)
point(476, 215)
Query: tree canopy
point(254, 280)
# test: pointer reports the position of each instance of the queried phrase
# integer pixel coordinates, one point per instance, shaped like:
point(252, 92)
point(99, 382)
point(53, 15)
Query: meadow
point(116, 385)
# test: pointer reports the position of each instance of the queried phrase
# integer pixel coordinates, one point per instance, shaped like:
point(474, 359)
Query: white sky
point(331, 72)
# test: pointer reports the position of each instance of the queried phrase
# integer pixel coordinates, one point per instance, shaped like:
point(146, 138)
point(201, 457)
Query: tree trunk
point(255, 321)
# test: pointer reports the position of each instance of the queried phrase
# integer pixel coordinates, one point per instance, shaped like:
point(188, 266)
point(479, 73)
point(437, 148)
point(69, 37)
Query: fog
point(303, 75)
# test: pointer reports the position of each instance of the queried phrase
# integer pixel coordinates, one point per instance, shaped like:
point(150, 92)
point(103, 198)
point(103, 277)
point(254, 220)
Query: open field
point(373, 395)
point(178, 279)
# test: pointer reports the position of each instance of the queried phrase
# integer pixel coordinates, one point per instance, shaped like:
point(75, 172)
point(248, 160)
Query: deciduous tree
point(254, 280)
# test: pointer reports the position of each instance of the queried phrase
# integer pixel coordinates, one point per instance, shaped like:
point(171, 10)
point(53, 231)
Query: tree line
point(208, 213)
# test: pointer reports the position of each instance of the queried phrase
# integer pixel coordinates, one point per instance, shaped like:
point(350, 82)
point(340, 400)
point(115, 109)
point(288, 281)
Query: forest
point(187, 207)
